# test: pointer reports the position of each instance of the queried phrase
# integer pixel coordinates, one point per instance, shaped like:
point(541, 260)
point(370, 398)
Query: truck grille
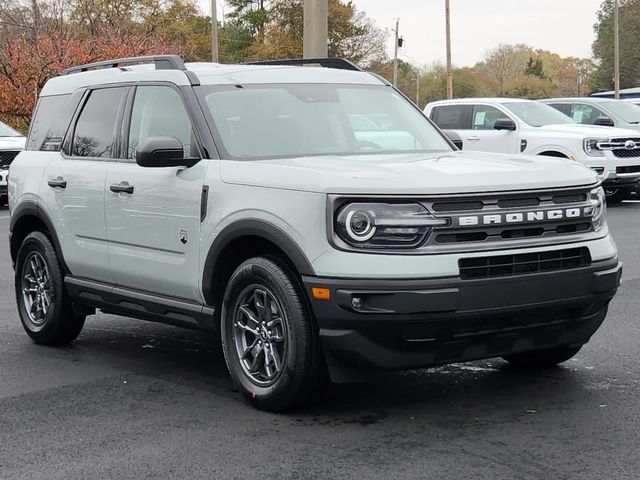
point(629, 169)
point(524, 263)
point(530, 218)
point(622, 147)
point(7, 156)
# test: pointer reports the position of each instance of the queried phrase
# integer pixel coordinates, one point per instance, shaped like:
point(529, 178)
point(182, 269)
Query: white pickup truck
point(11, 143)
point(508, 125)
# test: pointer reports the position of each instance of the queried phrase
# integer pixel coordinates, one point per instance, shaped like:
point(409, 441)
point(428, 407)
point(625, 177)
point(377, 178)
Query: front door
point(153, 214)
point(484, 137)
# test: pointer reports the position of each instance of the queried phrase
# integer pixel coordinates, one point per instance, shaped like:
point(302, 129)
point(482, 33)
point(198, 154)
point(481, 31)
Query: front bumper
point(400, 324)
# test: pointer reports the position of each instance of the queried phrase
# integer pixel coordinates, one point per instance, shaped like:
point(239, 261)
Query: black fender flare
point(32, 209)
point(256, 228)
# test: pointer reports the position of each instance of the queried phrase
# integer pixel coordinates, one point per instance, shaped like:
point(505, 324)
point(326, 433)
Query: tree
point(504, 64)
point(629, 45)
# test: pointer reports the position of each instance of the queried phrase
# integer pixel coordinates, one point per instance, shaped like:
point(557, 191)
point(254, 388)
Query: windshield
point(7, 131)
point(537, 114)
point(626, 111)
point(275, 121)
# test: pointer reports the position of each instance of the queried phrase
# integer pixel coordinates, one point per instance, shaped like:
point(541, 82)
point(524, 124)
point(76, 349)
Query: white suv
point(312, 216)
point(524, 126)
point(11, 143)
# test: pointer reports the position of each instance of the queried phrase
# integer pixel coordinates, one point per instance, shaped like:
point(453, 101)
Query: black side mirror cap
point(454, 137)
point(504, 124)
point(159, 152)
point(604, 122)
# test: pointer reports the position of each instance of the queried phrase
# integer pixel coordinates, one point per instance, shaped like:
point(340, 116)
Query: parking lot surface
point(131, 399)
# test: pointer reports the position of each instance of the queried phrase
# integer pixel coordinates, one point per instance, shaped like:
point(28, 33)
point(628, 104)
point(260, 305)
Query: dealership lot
point(131, 399)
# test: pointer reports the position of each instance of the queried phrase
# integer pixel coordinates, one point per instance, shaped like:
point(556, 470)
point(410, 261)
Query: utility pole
point(315, 16)
point(417, 87)
point(214, 32)
point(448, 28)
point(395, 56)
point(616, 48)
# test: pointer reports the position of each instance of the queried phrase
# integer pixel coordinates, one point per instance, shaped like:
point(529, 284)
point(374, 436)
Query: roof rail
point(339, 63)
point(162, 62)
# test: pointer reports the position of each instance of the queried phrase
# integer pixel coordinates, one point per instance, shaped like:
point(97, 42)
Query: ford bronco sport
point(313, 216)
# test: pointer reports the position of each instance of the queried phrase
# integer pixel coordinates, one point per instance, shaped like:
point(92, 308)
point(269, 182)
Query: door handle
point(57, 182)
point(473, 137)
point(122, 187)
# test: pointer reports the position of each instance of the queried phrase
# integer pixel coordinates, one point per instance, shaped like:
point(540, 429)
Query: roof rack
point(162, 62)
point(339, 63)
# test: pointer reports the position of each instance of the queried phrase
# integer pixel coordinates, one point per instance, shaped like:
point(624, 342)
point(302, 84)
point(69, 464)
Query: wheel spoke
point(276, 358)
point(247, 328)
point(249, 314)
point(267, 362)
point(253, 349)
point(260, 301)
point(255, 364)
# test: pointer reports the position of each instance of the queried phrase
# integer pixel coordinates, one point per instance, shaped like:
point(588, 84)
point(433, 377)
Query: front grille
point(627, 153)
point(524, 263)
point(7, 156)
point(629, 169)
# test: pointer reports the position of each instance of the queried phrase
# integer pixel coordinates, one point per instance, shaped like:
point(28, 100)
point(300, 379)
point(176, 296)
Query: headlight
point(591, 146)
point(385, 225)
point(599, 205)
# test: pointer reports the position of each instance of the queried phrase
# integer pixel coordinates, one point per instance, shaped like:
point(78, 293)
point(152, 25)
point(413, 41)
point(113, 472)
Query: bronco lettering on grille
point(524, 217)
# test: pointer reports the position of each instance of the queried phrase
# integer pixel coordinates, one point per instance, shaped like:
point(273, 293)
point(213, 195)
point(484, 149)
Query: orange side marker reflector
point(321, 293)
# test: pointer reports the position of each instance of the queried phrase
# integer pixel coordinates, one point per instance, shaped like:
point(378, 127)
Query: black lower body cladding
point(399, 324)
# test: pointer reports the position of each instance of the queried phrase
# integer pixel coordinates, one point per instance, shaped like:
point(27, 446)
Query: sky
point(561, 26)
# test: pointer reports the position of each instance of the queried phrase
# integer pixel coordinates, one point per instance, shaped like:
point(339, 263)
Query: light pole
point(616, 49)
point(214, 32)
point(448, 28)
point(395, 56)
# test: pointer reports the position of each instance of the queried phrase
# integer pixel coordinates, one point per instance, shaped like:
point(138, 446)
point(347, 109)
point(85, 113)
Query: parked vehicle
point(11, 143)
point(598, 111)
point(523, 126)
point(312, 216)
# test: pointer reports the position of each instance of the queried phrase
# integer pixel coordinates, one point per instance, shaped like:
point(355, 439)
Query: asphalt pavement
point(131, 399)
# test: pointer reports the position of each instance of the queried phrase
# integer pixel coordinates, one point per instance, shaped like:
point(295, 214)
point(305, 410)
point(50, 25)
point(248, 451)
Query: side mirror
point(454, 137)
point(604, 122)
point(158, 152)
point(504, 124)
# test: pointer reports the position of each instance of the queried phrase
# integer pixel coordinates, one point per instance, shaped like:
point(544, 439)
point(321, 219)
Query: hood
point(12, 143)
point(423, 174)
point(588, 131)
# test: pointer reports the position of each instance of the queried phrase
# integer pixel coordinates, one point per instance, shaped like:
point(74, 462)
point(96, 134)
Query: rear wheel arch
point(243, 240)
point(29, 217)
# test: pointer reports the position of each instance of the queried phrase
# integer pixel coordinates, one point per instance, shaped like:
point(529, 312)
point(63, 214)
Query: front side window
point(271, 121)
point(537, 114)
point(94, 134)
point(585, 114)
point(485, 117)
point(627, 111)
point(158, 111)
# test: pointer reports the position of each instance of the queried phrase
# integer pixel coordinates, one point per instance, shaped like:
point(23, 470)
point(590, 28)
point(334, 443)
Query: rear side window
point(454, 117)
point(561, 107)
point(94, 135)
point(50, 121)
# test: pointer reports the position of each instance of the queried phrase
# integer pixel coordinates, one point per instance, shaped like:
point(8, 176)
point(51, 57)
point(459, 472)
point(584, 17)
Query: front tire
point(45, 310)
point(543, 358)
point(269, 337)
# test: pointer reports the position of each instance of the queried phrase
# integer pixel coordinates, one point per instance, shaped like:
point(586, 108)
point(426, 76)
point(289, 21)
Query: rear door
point(74, 182)
point(153, 229)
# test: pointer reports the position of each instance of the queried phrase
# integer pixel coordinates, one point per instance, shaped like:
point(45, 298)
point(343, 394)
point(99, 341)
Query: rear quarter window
point(50, 121)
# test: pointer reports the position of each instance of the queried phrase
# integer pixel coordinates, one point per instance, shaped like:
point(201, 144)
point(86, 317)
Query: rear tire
point(45, 310)
point(543, 358)
point(269, 336)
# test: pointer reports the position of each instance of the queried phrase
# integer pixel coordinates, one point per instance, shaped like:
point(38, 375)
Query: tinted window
point(95, 130)
point(318, 119)
point(485, 117)
point(561, 107)
point(451, 116)
point(159, 112)
point(585, 114)
point(50, 122)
